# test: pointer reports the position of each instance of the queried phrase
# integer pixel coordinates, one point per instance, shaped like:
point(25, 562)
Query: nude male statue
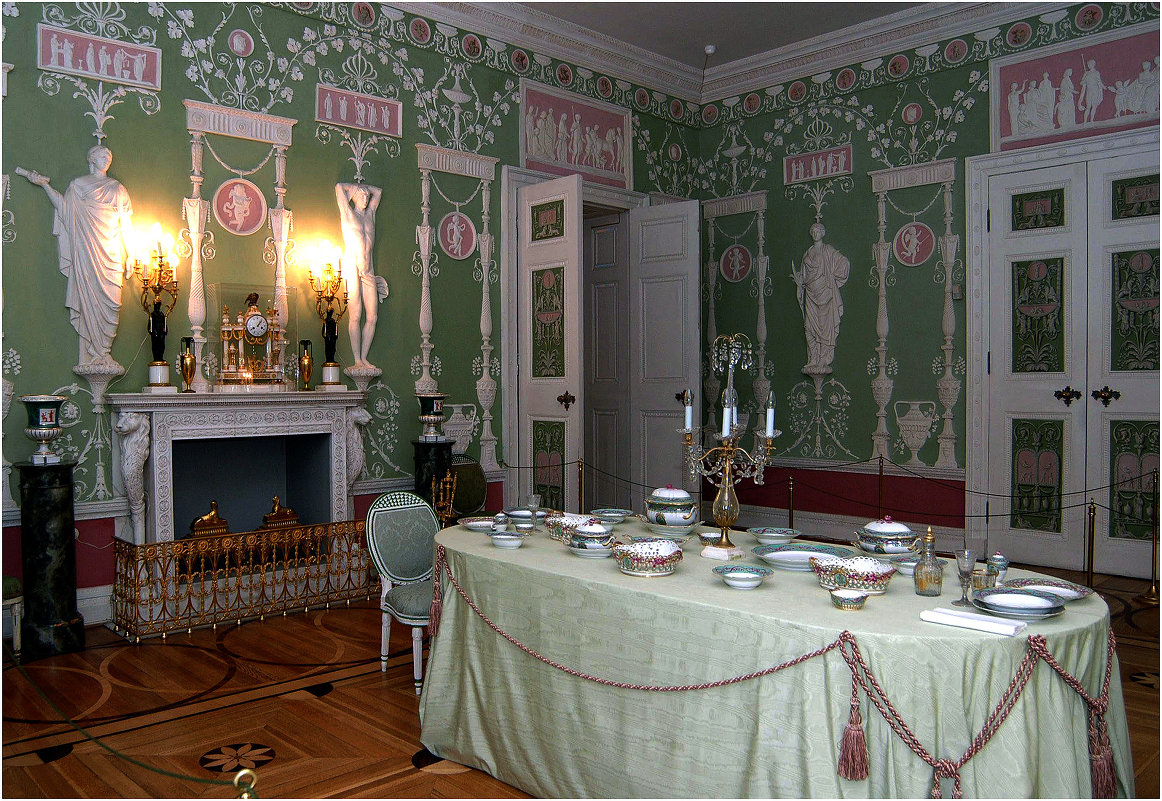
point(357, 207)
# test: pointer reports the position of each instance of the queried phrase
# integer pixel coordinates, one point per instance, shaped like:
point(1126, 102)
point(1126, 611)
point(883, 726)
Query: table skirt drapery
point(489, 705)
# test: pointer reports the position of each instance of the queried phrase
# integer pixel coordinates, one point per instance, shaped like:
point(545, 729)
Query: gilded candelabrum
point(330, 305)
point(155, 267)
point(728, 463)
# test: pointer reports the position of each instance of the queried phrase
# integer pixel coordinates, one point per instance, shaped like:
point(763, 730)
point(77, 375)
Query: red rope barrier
point(853, 759)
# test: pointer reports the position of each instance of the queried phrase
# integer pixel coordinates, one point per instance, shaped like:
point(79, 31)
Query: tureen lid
point(886, 526)
point(670, 493)
point(591, 527)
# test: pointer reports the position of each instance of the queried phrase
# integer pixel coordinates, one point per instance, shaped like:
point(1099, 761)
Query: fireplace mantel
point(146, 426)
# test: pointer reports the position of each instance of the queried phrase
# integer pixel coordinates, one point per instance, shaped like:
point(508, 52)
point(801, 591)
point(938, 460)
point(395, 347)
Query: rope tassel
point(437, 607)
point(853, 759)
point(1101, 759)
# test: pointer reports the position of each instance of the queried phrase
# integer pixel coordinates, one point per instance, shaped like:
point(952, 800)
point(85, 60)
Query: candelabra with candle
point(330, 304)
point(728, 463)
point(155, 265)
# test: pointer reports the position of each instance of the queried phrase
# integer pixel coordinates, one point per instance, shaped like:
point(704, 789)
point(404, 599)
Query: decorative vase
point(44, 417)
point(188, 363)
point(460, 425)
point(306, 363)
point(915, 426)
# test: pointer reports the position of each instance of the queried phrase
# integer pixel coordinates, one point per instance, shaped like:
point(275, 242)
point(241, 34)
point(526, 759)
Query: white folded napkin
point(971, 620)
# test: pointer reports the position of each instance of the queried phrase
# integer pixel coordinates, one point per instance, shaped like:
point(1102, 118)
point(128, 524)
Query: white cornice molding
point(525, 27)
point(258, 127)
point(567, 41)
point(457, 162)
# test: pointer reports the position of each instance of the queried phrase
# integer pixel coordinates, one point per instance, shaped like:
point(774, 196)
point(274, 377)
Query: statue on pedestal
point(357, 207)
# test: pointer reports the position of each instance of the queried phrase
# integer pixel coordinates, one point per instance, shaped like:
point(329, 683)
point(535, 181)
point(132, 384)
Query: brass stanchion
point(1092, 532)
point(1150, 597)
point(791, 502)
point(580, 486)
point(880, 493)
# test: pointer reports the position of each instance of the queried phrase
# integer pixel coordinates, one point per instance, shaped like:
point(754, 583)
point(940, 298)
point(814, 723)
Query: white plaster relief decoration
point(482, 168)
point(11, 365)
point(381, 434)
point(105, 61)
point(355, 107)
point(358, 204)
point(93, 224)
point(133, 428)
point(1099, 84)
point(670, 165)
point(736, 167)
point(238, 204)
point(912, 244)
point(357, 420)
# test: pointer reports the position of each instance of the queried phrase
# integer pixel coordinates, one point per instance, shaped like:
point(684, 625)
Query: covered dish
point(671, 506)
point(857, 573)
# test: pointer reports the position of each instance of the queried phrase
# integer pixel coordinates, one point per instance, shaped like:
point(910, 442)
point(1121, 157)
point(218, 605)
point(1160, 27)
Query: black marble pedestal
point(51, 622)
point(433, 460)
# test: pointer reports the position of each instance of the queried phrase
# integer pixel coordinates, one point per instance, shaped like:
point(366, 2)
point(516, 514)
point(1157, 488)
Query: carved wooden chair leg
point(418, 656)
point(384, 636)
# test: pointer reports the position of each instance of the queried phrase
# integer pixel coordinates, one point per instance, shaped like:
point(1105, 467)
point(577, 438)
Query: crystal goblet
point(965, 561)
point(534, 505)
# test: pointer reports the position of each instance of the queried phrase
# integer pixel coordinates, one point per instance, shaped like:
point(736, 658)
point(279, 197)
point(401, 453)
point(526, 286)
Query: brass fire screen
point(168, 586)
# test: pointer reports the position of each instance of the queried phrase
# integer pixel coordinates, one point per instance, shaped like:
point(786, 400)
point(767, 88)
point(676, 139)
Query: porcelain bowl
point(856, 573)
point(611, 516)
point(743, 577)
point(669, 532)
point(564, 525)
point(848, 600)
point(507, 540)
point(592, 550)
point(523, 526)
point(906, 564)
point(767, 535)
point(648, 557)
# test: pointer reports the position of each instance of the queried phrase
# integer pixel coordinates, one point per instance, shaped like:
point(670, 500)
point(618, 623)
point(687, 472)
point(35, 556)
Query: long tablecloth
point(489, 705)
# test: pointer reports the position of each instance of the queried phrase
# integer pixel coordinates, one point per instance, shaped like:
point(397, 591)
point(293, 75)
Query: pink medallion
point(1088, 17)
point(470, 45)
point(845, 79)
point(363, 14)
point(675, 151)
point(1037, 270)
point(457, 235)
point(564, 74)
point(1141, 261)
point(913, 244)
point(735, 263)
point(604, 86)
point(239, 206)
point(797, 92)
point(955, 51)
point(709, 114)
point(1019, 35)
point(676, 109)
point(420, 31)
point(898, 66)
point(751, 103)
point(642, 98)
point(520, 61)
point(241, 43)
point(912, 113)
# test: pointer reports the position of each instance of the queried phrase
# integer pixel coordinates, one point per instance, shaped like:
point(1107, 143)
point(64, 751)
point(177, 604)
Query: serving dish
point(563, 525)
point(476, 523)
point(669, 532)
point(743, 577)
point(519, 513)
point(648, 557)
point(767, 535)
point(885, 528)
point(508, 539)
point(848, 600)
point(1066, 590)
point(887, 545)
point(671, 506)
point(860, 573)
point(611, 515)
point(592, 550)
point(794, 555)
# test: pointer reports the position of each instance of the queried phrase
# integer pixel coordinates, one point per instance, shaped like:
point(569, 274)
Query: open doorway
point(631, 340)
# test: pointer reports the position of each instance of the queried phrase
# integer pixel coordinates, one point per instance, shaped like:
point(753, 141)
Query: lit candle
point(725, 422)
point(770, 414)
point(688, 402)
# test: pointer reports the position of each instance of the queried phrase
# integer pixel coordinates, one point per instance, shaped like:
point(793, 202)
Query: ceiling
point(681, 30)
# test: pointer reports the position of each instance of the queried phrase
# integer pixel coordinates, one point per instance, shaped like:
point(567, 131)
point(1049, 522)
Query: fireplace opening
point(244, 474)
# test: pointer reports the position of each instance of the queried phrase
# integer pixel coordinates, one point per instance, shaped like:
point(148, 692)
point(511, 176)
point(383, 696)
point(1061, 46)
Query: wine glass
point(534, 505)
point(965, 561)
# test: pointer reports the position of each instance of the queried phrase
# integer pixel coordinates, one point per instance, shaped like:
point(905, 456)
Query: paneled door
point(549, 282)
point(1073, 361)
point(665, 356)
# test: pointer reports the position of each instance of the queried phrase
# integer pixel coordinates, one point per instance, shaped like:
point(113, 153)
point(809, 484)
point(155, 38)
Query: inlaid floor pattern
point(301, 700)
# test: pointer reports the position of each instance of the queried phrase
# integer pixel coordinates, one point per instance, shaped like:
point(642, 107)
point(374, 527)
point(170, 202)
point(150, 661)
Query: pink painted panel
point(379, 115)
point(563, 133)
point(109, 60)
point(1089, 88)
point(817, 164)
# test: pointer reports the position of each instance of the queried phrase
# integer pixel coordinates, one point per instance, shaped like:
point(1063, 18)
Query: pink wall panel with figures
point(1097, 85)
point(562, 133)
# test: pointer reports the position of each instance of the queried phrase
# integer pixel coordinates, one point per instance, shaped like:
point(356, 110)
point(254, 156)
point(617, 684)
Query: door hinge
point(988, 219)
point(988, 363)
point(986, 513)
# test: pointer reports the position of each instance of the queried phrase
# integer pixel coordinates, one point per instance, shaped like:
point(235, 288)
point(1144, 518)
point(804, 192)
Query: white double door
point(630, 292)
point(1072, 361)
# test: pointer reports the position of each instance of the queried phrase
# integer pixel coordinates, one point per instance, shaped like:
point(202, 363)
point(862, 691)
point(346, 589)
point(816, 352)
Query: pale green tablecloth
point(489, 705)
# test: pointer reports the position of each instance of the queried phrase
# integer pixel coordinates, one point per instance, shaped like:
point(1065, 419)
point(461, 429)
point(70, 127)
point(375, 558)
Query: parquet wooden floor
point(302, 700)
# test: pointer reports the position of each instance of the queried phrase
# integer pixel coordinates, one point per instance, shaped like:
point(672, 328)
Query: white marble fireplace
point(147, 425)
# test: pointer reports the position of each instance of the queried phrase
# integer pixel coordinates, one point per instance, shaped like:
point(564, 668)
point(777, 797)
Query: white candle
point(771, 415)
point(725, 422)
point(689, 403)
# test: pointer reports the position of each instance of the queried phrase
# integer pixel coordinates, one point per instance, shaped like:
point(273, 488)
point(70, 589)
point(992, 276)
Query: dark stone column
point(433, 460)
point(51, 623)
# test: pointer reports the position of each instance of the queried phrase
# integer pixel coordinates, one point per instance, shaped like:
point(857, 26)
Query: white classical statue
point(824, 271)
point(94, 230)
point(357, 206)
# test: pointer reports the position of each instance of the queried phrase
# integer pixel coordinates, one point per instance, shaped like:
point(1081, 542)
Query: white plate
point(768, 535)
point(592, 553)
point(524, 514)
point(794, 556)
point(477, 523)
point(1018, 600)
point(1066, 590)
point(1016, 614)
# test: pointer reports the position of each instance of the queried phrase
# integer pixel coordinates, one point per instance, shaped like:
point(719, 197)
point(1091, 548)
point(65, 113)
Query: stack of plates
point(794, 556)
point(768, 535)
point(1067, 590)
point(1018, 603)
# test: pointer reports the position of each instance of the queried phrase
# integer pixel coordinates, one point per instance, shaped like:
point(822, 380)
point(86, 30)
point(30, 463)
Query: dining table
point(565, 677)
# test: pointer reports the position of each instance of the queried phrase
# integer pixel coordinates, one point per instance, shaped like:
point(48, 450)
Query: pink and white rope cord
point(853, 760)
